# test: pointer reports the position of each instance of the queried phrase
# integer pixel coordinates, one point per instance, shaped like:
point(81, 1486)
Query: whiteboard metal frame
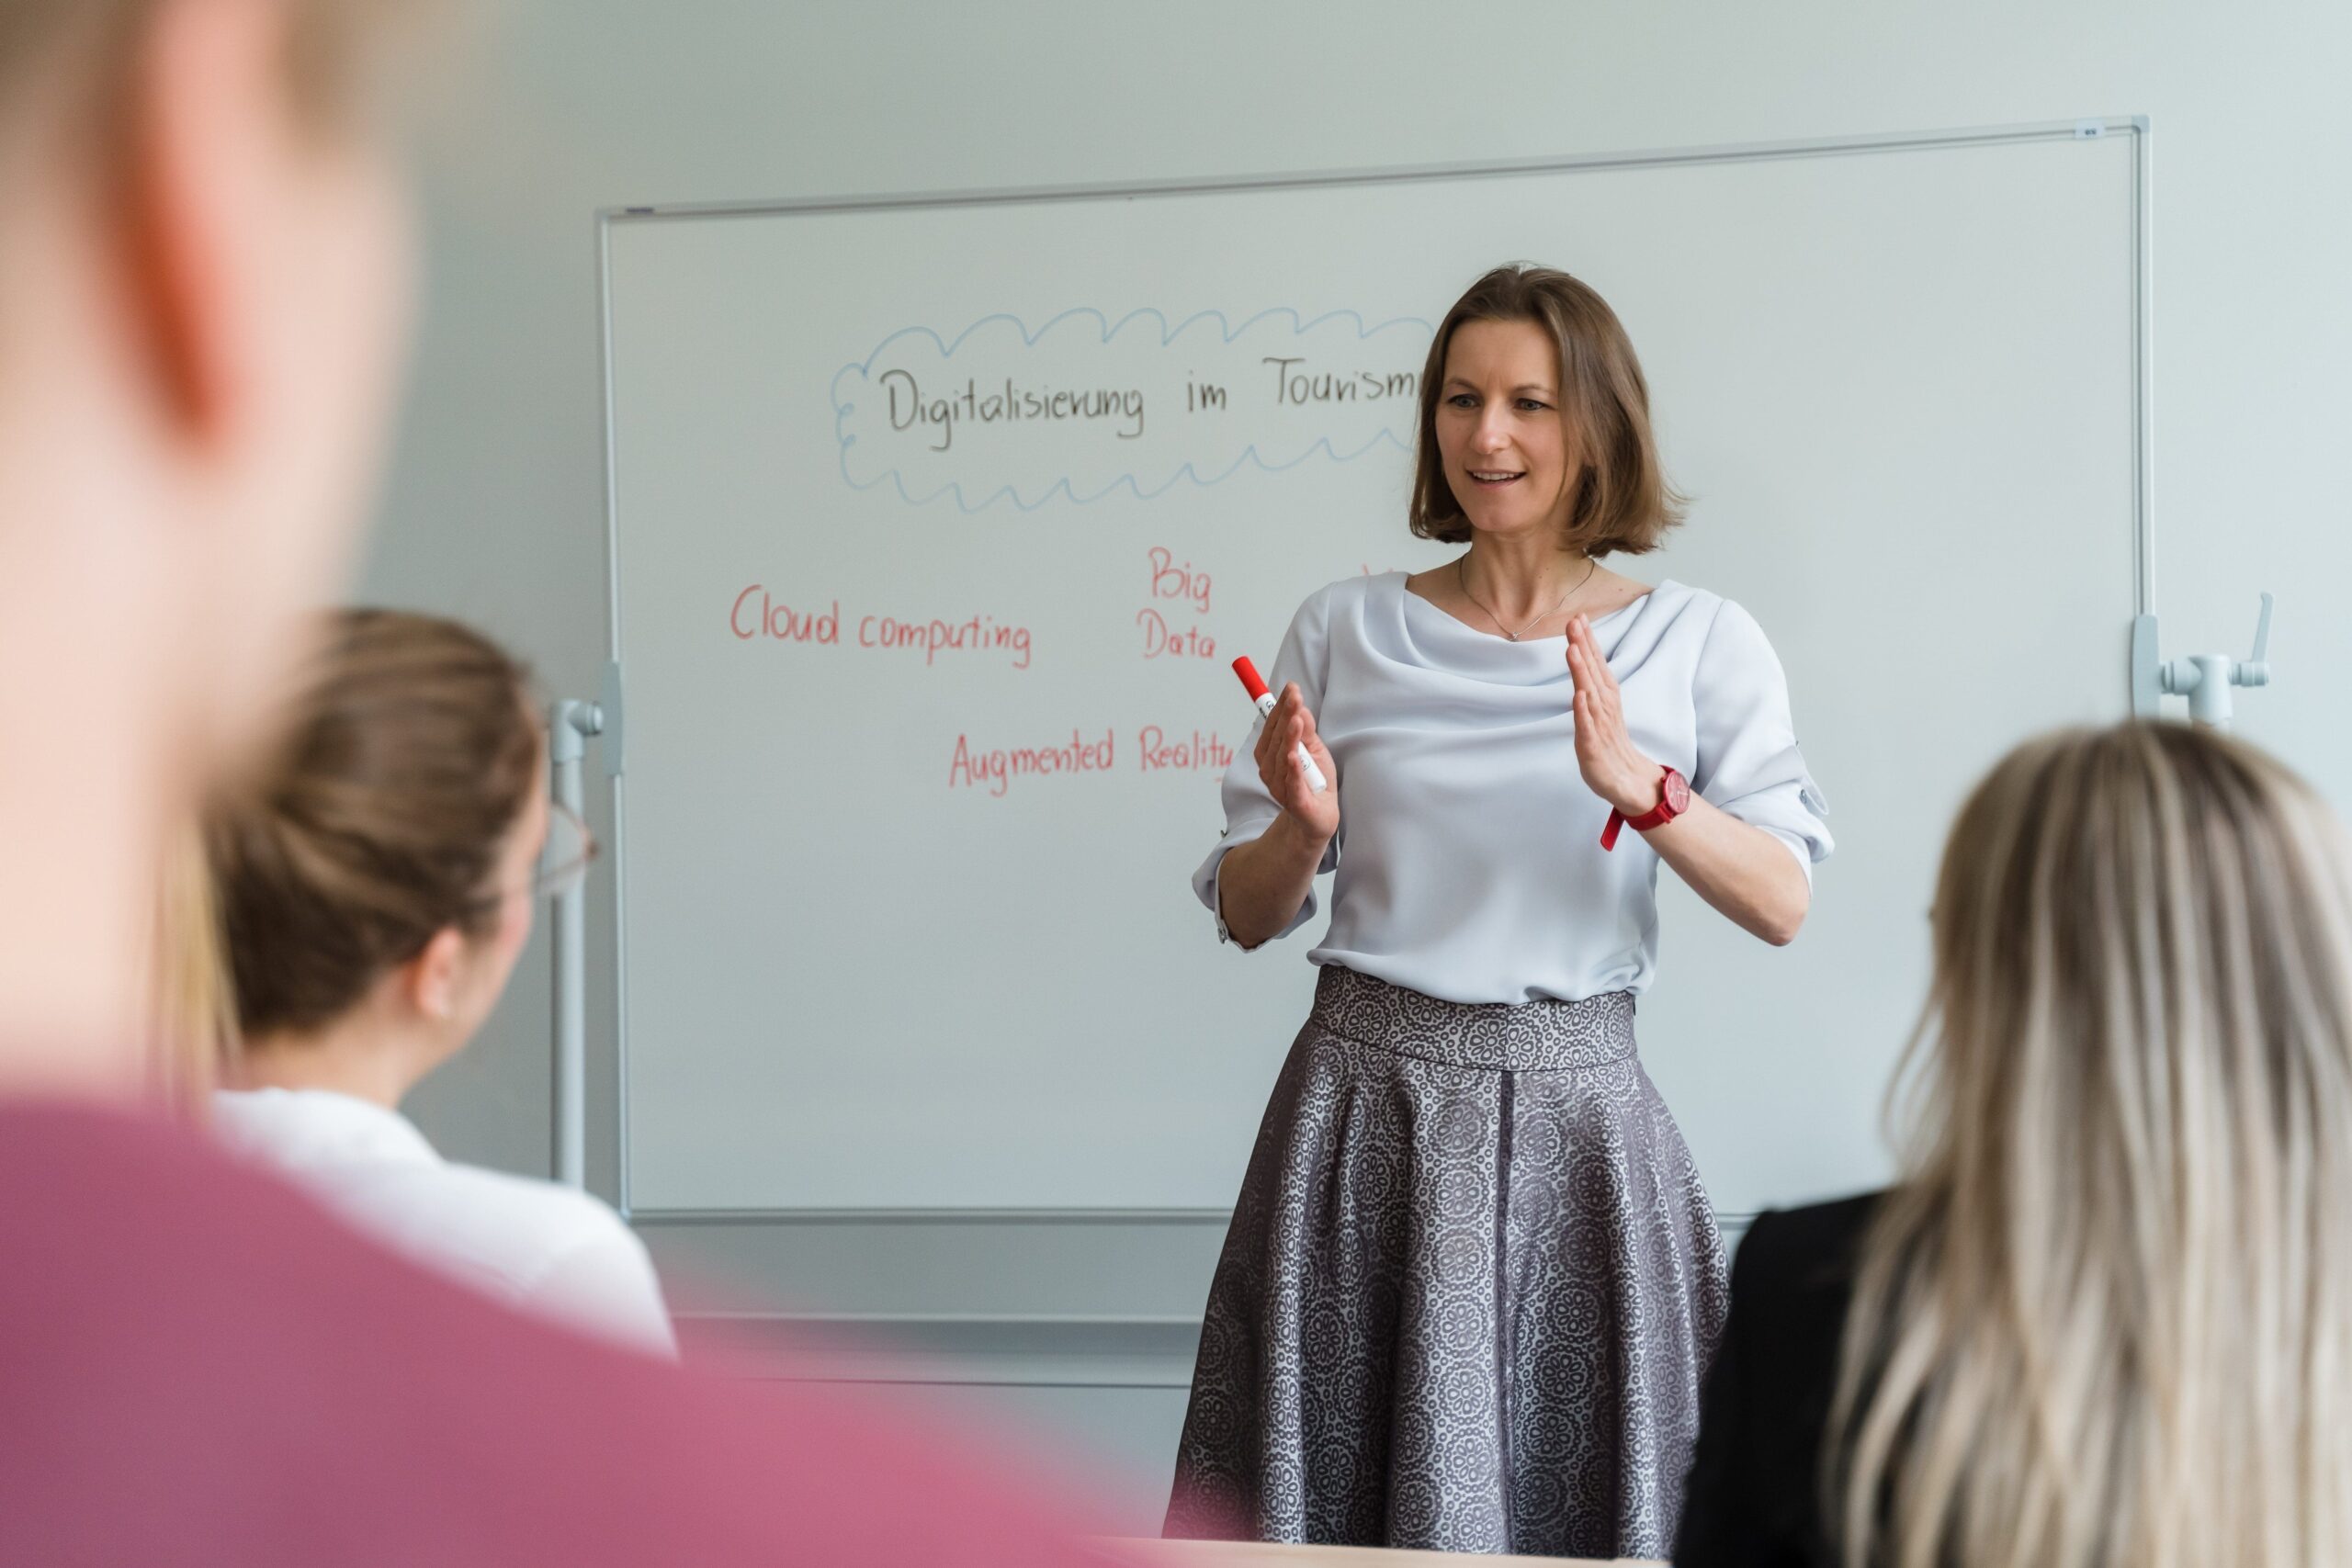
point(2092, 128)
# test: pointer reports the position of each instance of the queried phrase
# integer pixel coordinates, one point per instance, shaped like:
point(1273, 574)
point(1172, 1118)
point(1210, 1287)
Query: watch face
point(1678, 793)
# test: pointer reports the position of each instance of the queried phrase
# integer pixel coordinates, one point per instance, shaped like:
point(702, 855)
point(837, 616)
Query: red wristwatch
point(1673, 800)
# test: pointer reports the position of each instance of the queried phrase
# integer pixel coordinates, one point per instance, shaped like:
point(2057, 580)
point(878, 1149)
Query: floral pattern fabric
point(1469, 1292)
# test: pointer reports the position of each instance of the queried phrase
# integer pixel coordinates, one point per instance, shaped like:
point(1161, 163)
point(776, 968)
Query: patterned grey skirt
point(1470, 1288)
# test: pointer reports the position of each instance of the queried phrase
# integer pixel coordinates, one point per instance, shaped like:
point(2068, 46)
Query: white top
point(534, 1245)
point(1468, 854)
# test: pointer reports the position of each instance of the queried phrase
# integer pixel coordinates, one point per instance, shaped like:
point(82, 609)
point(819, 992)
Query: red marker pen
point(1256, 686)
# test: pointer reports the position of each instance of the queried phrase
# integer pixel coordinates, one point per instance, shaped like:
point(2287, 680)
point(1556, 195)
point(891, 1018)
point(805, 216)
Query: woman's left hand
point(1613, 767)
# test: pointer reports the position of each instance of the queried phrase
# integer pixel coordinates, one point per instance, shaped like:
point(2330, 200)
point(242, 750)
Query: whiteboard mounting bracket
point(2205, 679)
point(609, 707)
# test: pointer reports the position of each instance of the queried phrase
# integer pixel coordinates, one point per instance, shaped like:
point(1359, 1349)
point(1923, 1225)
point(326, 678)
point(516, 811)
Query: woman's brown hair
point(1623, 505)
point(409, 755)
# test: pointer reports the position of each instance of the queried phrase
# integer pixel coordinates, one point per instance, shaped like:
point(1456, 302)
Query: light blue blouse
point(1468, 856)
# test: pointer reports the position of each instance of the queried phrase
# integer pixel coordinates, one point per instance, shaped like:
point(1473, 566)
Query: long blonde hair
point(2105, 1319)
point(192, 1012)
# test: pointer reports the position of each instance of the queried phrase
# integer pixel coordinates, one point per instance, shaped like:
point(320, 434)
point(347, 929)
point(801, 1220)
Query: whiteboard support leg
point(568, 724)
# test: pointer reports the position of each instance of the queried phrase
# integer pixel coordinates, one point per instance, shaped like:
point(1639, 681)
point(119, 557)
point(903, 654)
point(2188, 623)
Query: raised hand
point(1613, 767)
point(1288, 727)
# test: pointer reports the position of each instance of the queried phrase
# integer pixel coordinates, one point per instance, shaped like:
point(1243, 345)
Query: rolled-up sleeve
point(1249, 809)
point(1748, 763)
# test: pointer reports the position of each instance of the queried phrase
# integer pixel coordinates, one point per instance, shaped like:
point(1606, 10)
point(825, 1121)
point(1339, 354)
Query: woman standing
point(1473, 1279)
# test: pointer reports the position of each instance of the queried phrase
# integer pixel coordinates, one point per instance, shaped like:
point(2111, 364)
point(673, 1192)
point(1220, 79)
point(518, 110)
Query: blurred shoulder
point(537, 1220)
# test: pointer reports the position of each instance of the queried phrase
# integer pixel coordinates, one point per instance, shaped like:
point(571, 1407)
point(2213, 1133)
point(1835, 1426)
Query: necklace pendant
point(1513, 636)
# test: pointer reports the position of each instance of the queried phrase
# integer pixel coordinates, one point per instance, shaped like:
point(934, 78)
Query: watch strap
point(1656, 817)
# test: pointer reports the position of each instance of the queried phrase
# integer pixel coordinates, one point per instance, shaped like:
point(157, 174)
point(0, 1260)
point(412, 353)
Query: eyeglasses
point(566, 856)
point(564, 859)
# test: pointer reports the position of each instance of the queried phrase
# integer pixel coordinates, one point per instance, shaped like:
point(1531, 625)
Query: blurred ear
point(430, 981)
point(208, 117)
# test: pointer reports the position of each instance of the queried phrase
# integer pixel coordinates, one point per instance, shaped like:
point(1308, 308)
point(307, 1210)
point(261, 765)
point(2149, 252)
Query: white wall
point(495, 507)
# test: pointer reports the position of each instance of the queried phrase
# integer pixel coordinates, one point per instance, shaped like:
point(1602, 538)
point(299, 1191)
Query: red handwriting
point(981, 634)
point(995, 770)
point(1161, 641)
point(781, 622)
point(1169, 581)
point(757, 614)
point(1197, 754)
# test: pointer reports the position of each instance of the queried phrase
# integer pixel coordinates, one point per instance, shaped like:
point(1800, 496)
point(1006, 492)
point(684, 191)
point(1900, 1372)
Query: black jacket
point(1754, 1491)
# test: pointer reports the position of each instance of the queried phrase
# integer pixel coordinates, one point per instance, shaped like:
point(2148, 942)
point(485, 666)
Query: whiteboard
point(935, 522)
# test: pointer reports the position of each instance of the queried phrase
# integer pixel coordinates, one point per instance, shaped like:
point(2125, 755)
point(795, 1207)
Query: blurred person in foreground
point(202, 298)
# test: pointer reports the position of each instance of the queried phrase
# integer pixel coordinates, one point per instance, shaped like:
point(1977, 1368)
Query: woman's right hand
point(1288, 727)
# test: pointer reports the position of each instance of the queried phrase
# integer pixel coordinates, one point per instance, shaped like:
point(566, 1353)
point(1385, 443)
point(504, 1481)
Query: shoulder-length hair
point(1623, 505)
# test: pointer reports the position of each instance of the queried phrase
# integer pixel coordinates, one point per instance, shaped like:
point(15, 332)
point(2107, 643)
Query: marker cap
point(1251, 681)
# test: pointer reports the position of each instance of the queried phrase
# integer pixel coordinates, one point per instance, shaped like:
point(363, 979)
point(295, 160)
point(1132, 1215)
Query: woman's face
point(1498, 427)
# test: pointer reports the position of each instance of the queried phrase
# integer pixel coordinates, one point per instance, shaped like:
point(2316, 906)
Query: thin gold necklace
point(1592, 564)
